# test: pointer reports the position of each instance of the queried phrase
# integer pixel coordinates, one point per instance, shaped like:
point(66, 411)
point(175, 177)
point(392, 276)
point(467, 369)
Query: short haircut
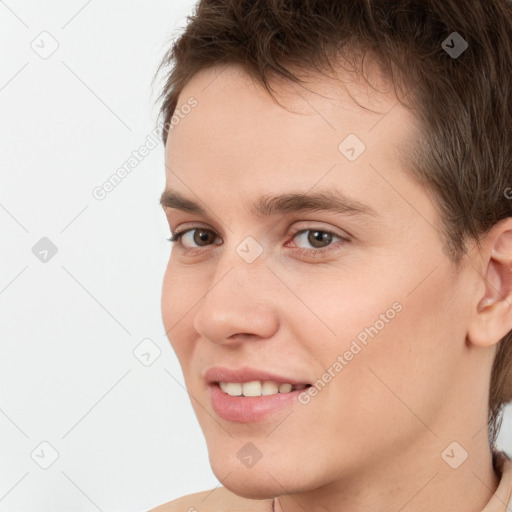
point(450, 62)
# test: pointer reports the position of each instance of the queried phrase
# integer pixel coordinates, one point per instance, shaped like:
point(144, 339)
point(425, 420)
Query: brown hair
point(463, 101)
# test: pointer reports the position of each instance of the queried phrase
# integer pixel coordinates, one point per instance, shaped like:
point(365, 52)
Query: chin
point(262, 481)
point(246, 486)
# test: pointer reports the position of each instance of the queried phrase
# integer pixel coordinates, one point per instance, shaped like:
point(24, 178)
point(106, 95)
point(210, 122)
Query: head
point(397, 309)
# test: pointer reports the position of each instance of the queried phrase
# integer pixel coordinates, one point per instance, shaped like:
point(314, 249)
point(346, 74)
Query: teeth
point(257, 388)
point(269, 388)
point(251, 388)
point(285, 388)
point(233, 388)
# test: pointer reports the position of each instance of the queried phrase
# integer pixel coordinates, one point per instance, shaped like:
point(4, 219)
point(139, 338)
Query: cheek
point(177, 302)
point(340, 306)
point(408, 309)
point(405, 364)
point(407, 329)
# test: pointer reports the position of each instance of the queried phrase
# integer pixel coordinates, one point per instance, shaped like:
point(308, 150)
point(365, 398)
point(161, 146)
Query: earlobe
point(492, 318)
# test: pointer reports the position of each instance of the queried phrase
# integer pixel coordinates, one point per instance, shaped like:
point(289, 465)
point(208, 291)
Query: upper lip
point(246, 374)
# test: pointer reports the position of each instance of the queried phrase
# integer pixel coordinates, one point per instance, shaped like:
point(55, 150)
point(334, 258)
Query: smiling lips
point(246, 375)
point(248, 395)
point(258, 388)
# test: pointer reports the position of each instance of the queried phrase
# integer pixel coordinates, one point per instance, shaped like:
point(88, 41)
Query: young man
point(338, 188)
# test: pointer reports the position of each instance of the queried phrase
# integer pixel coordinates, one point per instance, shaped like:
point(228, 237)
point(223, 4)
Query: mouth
point(253, 380)
point(253, 401)
point(249, 394)
point(256, 388)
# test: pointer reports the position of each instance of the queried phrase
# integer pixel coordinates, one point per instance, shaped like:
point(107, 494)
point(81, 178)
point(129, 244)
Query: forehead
point(343, 88)
point(235, 113)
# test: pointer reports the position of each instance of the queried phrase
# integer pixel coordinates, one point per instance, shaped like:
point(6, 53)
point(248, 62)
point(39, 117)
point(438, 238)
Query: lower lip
point(249, 408)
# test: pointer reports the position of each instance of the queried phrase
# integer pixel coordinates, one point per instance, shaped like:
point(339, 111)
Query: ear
point(492, 316)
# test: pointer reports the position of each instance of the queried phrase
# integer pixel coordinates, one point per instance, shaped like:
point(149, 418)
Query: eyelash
point(176, 237)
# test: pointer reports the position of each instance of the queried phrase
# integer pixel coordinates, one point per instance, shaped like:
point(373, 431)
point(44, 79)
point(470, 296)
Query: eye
point(198, 236)
point(317, 238)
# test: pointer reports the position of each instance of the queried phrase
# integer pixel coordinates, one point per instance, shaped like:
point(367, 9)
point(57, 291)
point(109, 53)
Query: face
point(359, 301)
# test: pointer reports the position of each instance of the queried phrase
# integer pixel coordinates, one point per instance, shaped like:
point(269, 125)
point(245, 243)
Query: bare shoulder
point(219, 499)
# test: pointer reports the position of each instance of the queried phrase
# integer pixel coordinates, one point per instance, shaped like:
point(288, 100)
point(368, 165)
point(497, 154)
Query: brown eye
point(195, 236)
point(319, 239)
point(202, 236)
point(316, 238)
point(316, 242)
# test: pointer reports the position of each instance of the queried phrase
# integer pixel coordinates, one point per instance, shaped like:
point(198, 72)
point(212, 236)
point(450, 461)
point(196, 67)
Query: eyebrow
point(268, 205)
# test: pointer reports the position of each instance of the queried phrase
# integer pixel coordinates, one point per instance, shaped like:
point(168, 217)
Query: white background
point(125, 433)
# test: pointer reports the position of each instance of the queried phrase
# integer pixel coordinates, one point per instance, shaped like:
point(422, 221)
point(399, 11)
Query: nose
point(239, 304)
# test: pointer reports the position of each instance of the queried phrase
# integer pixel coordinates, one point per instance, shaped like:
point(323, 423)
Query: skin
point(373, 438)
